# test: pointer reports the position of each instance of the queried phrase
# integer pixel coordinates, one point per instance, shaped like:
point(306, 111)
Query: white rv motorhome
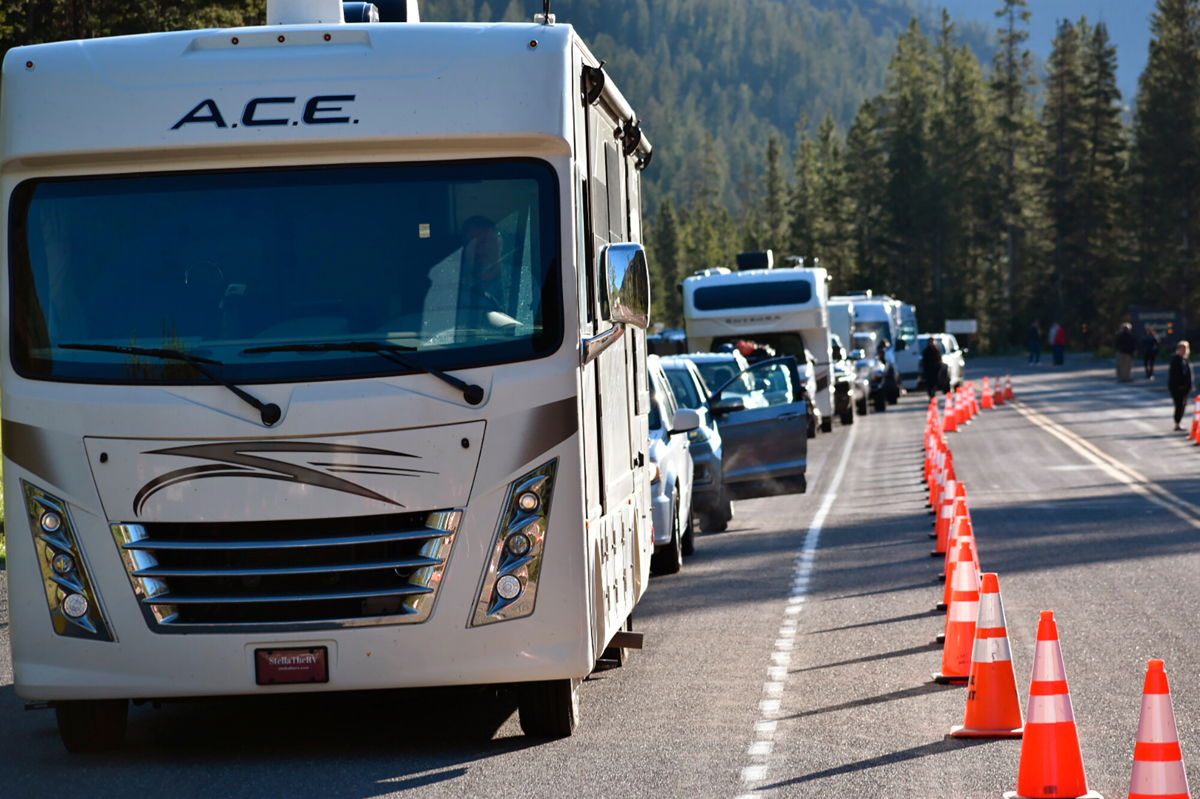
point(325, 364)
point(893, 321)
point(785, 308)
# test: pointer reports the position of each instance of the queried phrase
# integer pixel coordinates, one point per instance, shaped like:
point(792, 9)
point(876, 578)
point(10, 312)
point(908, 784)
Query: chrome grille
point(298, 574)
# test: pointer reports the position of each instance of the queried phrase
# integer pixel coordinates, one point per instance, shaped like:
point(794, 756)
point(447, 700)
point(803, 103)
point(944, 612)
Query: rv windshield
point(456, 262)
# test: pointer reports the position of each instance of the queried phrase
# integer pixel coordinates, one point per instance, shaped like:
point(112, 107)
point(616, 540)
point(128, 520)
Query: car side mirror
point(720, 405)
point(686, 420)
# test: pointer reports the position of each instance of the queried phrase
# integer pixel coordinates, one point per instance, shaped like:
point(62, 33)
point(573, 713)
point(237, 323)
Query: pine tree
point(1166, 159)
point(1012, 80)
point(869, 212)
point(1063, 158)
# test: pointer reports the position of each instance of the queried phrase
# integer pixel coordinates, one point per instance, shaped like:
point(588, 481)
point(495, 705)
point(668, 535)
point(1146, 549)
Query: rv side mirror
point(628, 279)
point(685, 420)
point(719, 405)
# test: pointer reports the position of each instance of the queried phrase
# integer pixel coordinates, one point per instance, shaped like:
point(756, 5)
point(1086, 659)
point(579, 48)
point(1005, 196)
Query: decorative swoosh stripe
point(236, 460)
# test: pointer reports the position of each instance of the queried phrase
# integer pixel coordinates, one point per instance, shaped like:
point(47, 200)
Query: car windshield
point(684, 387)
point(454, 262)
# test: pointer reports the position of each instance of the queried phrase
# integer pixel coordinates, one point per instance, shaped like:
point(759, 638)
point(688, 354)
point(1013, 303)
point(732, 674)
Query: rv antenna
point(544, 18)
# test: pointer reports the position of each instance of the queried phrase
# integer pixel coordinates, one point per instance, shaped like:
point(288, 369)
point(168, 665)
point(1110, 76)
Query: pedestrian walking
point(1126, 346)
point(1035, 342)
point(1058, 343)
point(1149, 351)
point(1179, 379)
point(932, 368)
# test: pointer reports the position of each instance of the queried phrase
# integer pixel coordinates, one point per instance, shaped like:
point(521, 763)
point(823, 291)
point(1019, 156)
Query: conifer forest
point(910, 153)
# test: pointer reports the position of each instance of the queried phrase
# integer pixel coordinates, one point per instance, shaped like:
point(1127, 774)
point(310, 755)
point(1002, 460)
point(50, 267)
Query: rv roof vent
point(398, 10)
point(756, 260)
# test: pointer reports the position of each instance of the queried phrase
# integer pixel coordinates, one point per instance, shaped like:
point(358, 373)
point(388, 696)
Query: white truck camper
point(325, 363)
point(785, 308)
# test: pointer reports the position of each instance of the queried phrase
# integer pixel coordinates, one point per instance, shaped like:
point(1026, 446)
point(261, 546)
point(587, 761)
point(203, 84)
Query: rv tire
point(92, 725)
point(548, 709)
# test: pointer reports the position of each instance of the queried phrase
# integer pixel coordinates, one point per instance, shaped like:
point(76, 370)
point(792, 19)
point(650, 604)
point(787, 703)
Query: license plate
point(278, 666)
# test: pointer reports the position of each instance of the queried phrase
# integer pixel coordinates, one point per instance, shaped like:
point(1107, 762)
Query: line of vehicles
point(766, 360)
point(326, 366)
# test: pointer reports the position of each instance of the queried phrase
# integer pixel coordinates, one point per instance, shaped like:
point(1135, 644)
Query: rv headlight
point(74, 611)
point(508, 586)
point(518, 544)
point(75, 606)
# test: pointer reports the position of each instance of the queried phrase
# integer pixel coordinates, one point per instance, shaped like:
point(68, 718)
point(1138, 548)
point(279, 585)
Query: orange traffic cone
point(1008, 392)
point(1195, 434)
point(949, 423)
point(999, 393)
point(993, 709)
point(954, 490)
point(1051, 760)
point(987, 395)
point(960, 621)
point(1157, 758)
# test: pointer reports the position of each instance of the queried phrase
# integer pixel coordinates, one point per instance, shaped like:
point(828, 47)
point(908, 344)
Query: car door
point(765, 448)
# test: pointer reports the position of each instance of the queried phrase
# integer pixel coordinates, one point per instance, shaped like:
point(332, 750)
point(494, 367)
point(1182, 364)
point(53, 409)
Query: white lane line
point(759, 752)
point(1135, 480)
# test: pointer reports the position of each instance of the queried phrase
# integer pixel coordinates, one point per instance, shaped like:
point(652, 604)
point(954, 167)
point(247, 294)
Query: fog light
point(507, 587)
point(63, 563)
point(75, 606)
point(51, 522)
point(529, 501)
point(518, 544)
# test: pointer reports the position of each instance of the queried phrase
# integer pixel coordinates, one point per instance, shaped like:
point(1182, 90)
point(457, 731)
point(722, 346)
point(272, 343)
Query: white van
point(325, 366)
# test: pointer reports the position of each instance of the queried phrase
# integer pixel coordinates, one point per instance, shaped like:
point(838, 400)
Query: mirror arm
point(590, 348)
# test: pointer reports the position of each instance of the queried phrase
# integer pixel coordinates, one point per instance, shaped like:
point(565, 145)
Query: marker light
point(63, 563)
point(51, 522)
point(75, 606)
point(507, 587)
point(528, 501)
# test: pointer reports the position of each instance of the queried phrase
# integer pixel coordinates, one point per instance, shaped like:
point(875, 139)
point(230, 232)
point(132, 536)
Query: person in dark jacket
point(1179, 379)
point(1149, 351)
point(1126, 346)
point(931, 366)
point(1035, 343)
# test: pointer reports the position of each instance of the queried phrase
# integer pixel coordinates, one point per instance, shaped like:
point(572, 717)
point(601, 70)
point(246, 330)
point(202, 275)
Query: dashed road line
point(759, 752)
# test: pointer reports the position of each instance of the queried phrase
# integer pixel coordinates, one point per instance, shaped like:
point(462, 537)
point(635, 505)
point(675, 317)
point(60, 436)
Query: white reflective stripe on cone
point(991, 650)
point(991, 612)
point(1049, 709)
point(1048, 662)
point(963, 610)
point(1157, 720)
point(1159, 778)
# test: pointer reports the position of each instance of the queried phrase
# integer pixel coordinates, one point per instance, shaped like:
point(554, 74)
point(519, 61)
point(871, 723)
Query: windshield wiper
point(472, 393)
point(269, 411)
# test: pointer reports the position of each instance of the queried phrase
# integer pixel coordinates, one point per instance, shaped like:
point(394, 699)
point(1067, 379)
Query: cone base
point(959, 731)
point(940, 638)
point(951, 679)
point(1090, 794)
point(935, 553)
point(940, 606)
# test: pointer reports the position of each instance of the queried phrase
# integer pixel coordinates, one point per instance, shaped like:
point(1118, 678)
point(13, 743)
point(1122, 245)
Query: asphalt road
point(792, 655)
